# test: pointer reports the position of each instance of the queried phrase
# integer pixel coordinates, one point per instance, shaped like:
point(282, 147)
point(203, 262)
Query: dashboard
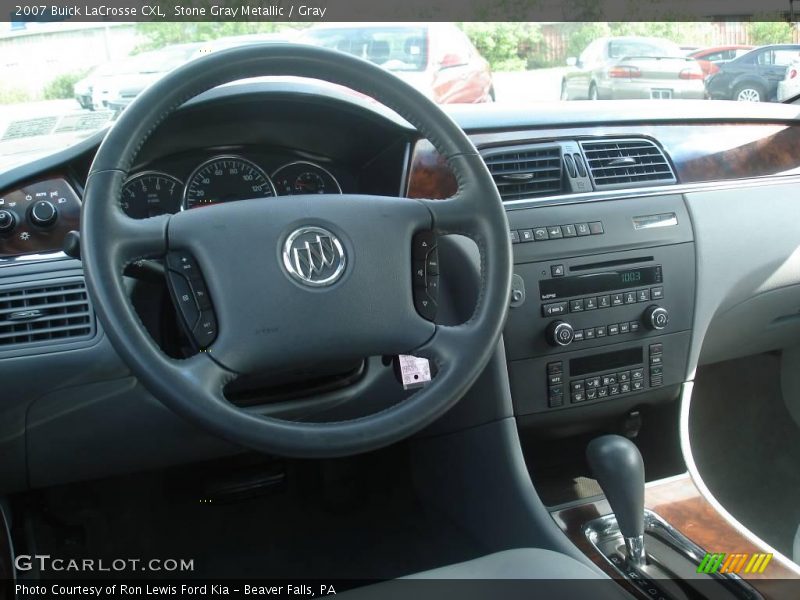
point(621, 289)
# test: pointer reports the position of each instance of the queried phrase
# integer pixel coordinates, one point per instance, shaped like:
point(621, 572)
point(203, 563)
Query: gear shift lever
point(617, 465)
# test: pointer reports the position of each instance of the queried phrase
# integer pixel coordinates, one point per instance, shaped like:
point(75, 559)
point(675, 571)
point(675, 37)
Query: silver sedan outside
point(614, 68)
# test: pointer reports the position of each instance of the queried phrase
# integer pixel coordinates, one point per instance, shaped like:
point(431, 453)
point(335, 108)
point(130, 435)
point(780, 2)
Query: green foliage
point(580, 35)
point(159, 35)
point(507, 46)
point(770, 32)
point(61, 86)
point(14, 95)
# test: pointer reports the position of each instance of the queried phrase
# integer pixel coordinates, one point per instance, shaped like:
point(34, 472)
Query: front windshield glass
point(62, 81)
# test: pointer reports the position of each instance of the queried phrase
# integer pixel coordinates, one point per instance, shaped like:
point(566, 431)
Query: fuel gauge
point(303, 177)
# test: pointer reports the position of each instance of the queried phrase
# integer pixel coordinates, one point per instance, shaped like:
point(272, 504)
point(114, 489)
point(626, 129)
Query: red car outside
point(436, 58)
point(707, 57)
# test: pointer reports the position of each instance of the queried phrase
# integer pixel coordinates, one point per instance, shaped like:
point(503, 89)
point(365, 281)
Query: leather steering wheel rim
point(193, 387)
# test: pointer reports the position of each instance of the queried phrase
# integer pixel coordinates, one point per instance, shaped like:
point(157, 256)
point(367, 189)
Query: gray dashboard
point(730, 270)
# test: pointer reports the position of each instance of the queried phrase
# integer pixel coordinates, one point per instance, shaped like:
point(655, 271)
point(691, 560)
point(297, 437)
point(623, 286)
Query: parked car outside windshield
point(632, 68)
point(436, 58)
point(753, 77)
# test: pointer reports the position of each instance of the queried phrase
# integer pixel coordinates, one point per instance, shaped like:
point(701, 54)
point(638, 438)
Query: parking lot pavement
point(539, 85)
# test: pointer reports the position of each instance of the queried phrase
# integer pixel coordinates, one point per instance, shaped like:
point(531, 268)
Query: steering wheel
point(263, 262)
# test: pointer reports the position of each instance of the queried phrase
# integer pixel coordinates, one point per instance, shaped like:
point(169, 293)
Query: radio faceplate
point(601, 299)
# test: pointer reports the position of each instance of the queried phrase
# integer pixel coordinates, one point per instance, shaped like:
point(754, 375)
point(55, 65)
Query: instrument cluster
point(222, 178)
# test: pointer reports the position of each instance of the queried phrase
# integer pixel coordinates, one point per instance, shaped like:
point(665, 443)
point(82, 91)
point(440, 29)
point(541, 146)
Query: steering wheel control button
point(432, 263)
point(314, 257)
point(183, 262)
point(425, 276)
point(206, 329)
point(423, 243)
point(190, 294)
point(7, 221)
point(43, 214)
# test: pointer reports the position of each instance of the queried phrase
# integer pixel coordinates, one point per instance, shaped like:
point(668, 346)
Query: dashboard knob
point(43, 214)
point(560, 333)
point(656, 317)
point(7, 221)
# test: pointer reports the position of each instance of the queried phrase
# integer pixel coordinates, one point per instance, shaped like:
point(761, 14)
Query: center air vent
point(43, 315)
point(525, 171)
point(626, 163)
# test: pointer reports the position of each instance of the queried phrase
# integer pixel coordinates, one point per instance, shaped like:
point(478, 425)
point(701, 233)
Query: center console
point(602, 302)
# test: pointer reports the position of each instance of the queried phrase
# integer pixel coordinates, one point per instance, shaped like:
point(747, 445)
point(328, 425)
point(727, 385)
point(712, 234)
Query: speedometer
point(225, 179)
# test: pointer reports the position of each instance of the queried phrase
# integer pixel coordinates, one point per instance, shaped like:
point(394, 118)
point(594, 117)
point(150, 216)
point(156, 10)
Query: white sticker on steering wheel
point(414, 372)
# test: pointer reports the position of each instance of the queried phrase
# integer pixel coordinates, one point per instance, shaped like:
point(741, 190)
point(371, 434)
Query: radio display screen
point(596, 283)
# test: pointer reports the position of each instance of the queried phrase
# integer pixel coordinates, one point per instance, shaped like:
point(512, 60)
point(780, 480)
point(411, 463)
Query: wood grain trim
point(699, 152)
point(430, 176)
point(680, 503)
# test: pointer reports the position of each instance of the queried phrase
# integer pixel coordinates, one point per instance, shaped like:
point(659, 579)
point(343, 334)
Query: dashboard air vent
point(36, 314)
point(626, 163)
point(525, 171)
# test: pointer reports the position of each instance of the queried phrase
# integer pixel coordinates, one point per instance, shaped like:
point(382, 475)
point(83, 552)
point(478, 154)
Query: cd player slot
point(611, 263)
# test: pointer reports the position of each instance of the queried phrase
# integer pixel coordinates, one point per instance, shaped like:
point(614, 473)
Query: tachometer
point(225, 179)
point(303, 177)
point(151, 193)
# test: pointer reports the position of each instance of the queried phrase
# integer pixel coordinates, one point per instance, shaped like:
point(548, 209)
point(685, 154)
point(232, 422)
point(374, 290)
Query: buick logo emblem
point(314, 256)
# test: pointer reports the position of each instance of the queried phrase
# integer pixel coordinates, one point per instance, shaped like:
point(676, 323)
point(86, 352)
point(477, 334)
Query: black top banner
point(407, 10)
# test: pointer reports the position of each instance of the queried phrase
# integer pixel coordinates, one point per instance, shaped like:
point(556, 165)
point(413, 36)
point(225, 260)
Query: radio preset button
point(590, 303)
point(525, 235)
point(643, 295)
point(604, 301)
point(616, 300)
point(630, 297)
point(576, 305)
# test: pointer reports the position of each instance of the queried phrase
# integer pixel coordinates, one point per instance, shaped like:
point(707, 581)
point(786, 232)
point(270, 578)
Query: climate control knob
point(43, 214)
point(656, 317)
point(7, 221)
point(560, 333)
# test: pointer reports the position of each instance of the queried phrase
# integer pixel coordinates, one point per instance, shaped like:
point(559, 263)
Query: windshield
point(62, 81)
point(394, 48)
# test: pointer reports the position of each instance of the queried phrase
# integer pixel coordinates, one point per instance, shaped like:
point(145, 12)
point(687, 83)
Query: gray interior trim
point(686, 449)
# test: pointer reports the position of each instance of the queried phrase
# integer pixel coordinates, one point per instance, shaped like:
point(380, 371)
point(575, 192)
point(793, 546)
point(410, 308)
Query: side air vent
point(626, 163)
point(42, 315)
point(525, 171)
